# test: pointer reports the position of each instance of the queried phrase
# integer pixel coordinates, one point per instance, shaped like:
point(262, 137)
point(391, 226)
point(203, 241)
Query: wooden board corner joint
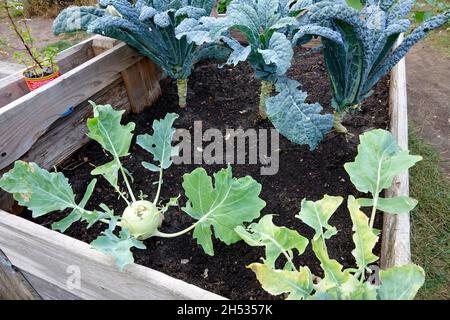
point(13, 285)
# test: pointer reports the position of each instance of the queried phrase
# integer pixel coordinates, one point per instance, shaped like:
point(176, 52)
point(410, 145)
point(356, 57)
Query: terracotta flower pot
point(35, 83)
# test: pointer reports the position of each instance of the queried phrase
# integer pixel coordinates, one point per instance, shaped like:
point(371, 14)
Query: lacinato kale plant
point(149, 26)
point(298, 121)
point(218, 204)
point(270, 26)
point(365, 50)
point(378, 161)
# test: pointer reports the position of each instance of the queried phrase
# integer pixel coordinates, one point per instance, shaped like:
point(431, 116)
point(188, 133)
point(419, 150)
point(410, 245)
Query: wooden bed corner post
point(13, 285)
point(142, 84)
point(141, 79)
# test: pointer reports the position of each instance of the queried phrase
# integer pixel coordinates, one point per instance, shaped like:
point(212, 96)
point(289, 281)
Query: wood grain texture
point(395, 245)
point(142, 83)
point(39, 109)
point(48, 291)
point(68, 134)
point(65, 137)
point(47, 255)
point(14, 87)
point(13, 285)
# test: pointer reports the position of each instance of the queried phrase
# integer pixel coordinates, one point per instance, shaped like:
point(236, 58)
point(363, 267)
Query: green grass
point(438, 39)
point(60, 45)
point(430, 237)
point(69, 39)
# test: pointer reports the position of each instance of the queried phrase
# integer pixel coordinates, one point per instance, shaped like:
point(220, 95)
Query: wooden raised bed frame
point(30, 130)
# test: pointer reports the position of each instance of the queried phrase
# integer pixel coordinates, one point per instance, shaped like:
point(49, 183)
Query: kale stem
point(266, 90)
point(182, 92)
point(337, 122)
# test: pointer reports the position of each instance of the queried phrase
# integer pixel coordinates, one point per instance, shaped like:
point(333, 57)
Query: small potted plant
point(40, 64)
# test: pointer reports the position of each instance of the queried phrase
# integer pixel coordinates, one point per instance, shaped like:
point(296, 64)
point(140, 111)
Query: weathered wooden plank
point(100, 44)
point(48, 291)
point(142, 83)
point(23, 121)
point(68, 134)
point(13, 285)
point(52, 257)
point(13, 87)
point(395, 246)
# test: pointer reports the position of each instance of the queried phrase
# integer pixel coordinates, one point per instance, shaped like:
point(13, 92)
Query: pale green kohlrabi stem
point(182, 92)
point(266, 90)
point(160, 181)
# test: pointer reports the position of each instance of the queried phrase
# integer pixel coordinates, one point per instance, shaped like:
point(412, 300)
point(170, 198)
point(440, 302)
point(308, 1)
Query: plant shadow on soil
point(228, 98)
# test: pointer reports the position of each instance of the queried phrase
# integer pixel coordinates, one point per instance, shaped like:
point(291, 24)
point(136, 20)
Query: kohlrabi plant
point(149, 26)
point(218, 205)
point(365, 50)
point(268, 25)
point(378, 161)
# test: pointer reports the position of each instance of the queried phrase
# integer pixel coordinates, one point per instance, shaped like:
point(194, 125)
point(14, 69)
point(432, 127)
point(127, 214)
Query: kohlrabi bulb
point(142, 219)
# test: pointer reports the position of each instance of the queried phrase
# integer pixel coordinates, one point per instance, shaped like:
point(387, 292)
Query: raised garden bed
point(45, 256)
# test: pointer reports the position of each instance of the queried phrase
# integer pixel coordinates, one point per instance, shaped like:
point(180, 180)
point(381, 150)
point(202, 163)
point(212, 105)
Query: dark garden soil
point(228, 98)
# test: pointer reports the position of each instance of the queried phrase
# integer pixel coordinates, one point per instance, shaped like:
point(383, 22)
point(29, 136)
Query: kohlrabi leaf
point(37, 189)
point(339, 284)
point(364, 237)
point(65, 223)
point(354, 289)
point(79, 213)
point(401, 283)
point(118, 247)
point(277, 240)
point(160, 143)
point(298, 284)
point(378, 161)
point(317, 214)
point(279, 53)
point(391, 205)
point(224, 206)
point(105, 128)
point(334, 275)
point(110, 171)
point(298, 121)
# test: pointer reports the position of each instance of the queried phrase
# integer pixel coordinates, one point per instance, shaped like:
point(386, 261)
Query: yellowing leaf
point(363, 237)
point(298, 284)
point(401, 283)
point(316, 215)
point(277, 240)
